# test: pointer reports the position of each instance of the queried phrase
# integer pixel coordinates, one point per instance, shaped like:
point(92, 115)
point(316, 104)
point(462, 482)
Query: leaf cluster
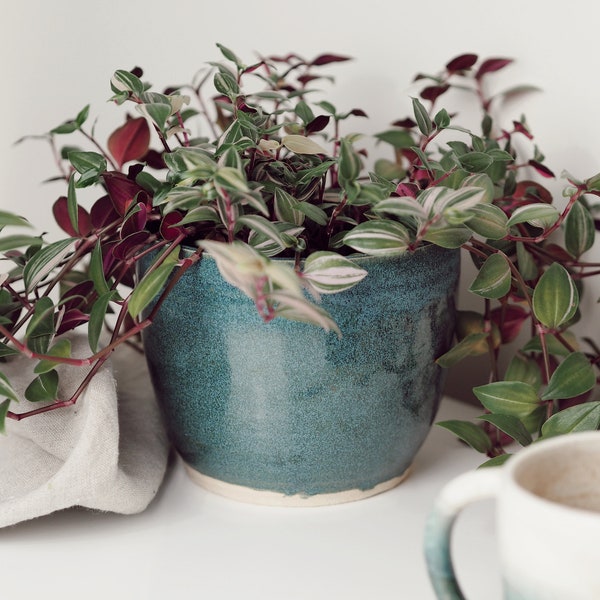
point(529, 279)
point(249, 164)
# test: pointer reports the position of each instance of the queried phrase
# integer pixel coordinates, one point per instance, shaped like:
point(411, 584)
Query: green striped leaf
point(314, 213)
point(97, 316)
point(475, 162)
point(285, 207)
point(473, 344)
point(157, 112)
point(508, 398)
point(7, 218)
point(497, 461)
point(330, 273)
point(45, 260)
point(579, 230)
point(151, 284)
point(538, 215)
point(523, 368)
point(494, 278)
point(483, 181)
point(469, 433)
point(300, 144)
point(44, 388)
point(555, 298)
point(583, 417)
point(3, 412)
point(527, 265)
point(510, 425)
point(124, 81)
point(96, 270)
point(296, 308)
point(378, 238)
point(61, 349)
point(267, 246)
point(40, 329)
point(422, 117)
point(72, 208)
point(403, 207)
point(12, 242)
point(201, 213)
point(231, 179)
point(263, 226)
point(488, 220)
point(573, 376)
point(349, 164)
point(447, 236)
point(6, 389)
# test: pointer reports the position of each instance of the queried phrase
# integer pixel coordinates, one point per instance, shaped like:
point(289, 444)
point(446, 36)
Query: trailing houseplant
point(262, 185)
point(227, 184)
point(530, 279)
point(268, 173)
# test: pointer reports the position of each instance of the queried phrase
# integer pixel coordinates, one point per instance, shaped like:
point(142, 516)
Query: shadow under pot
point(285, 413)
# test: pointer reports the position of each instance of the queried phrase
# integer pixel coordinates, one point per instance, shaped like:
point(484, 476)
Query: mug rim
point(533, 452)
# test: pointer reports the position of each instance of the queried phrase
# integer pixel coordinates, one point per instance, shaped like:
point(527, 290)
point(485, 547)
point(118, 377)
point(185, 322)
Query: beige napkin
point(108, 452)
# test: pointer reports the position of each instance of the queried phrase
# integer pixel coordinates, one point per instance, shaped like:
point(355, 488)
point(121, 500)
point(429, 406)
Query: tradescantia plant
point(529, 279)
point(244, 174)
point(256, 168)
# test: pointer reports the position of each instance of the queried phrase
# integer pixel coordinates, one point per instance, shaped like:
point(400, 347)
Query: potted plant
point(530, 279)
point(200, 234)
point(268, 214)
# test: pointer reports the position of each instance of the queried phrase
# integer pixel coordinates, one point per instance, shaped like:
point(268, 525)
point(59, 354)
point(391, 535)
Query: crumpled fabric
point(107, 452)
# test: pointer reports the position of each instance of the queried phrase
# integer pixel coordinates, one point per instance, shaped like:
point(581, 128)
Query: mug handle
point(455, 495)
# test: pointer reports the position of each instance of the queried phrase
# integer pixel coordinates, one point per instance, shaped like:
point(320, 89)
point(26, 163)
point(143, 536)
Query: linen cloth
point(107, 452)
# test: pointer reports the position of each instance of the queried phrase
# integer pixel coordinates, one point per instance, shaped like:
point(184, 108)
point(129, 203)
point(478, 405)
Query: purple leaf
point(492, 64)
point(520, 128)
point(304, 79)
point(240, 103)
point(433, 92)
point(61, 216)
point(77, 296)
point(72, 319)
point(325, 59)
point(543, 170)
point(130, 245)
point(103, 212)
point(509, 319)
point(154, 159)
point(167, 229)
point(130, 141)
point(407, 123)
point(407, 189)
point(135, 222)
point(122, 190)
point(317, 124)
point(461, 63)
point(532, 191)
point(285, 59)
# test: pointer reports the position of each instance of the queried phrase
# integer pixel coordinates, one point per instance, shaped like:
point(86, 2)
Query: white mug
point(548, 521)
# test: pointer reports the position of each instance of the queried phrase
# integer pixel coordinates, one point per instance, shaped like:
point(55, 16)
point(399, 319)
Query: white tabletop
point(193, 544)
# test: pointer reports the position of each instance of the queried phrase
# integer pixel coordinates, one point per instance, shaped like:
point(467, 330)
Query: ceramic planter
point(285, 413)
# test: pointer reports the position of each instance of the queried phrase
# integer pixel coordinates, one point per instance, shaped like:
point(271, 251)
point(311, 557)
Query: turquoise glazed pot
point(286, 413)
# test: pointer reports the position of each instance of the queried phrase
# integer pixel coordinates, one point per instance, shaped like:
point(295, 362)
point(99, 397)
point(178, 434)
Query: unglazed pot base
point(268, 498)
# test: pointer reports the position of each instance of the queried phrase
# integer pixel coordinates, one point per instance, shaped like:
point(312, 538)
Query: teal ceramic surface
point(290, 408)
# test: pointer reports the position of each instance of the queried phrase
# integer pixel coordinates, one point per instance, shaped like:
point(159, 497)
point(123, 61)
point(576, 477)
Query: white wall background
point(59, 55)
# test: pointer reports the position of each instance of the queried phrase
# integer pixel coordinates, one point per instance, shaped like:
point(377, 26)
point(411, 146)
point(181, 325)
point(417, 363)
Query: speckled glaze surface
point(287, 408)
